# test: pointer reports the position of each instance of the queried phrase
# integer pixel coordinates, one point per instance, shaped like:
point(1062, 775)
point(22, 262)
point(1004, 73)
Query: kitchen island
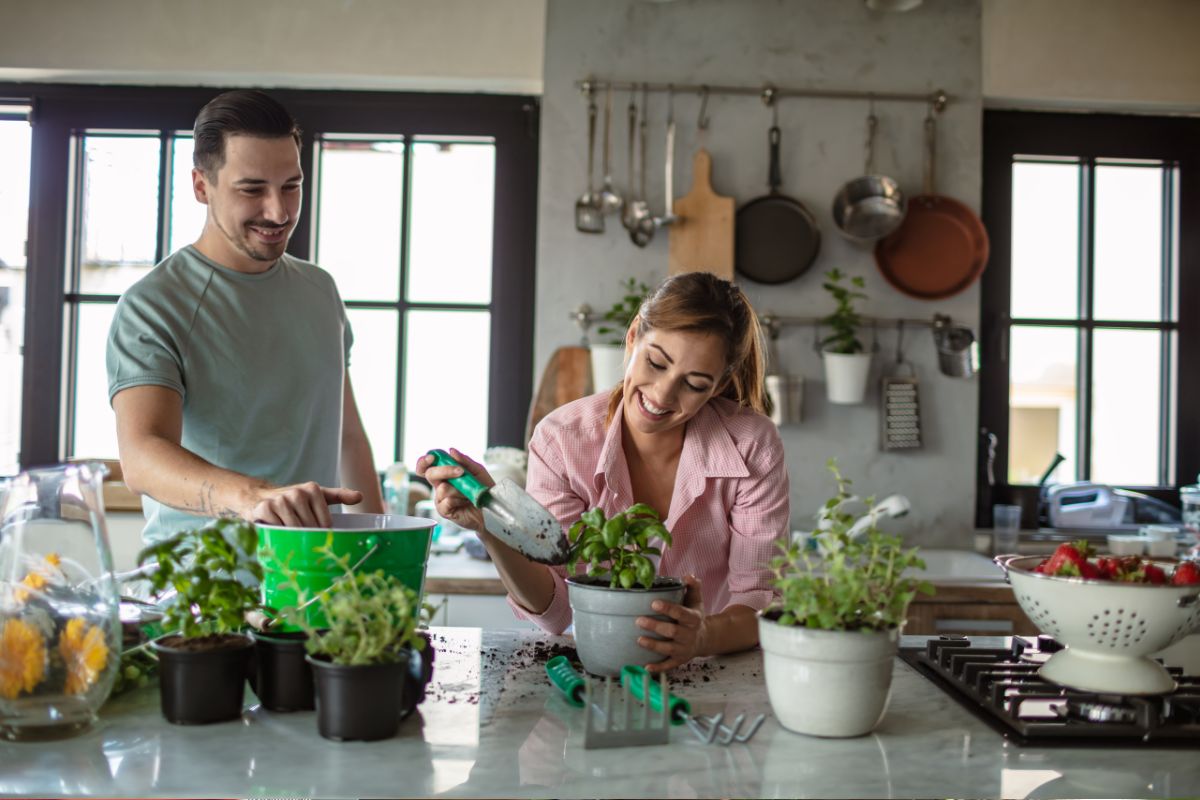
point(492, 726)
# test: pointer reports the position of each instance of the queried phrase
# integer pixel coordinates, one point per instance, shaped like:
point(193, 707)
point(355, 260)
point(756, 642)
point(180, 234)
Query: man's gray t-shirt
point(259, 359)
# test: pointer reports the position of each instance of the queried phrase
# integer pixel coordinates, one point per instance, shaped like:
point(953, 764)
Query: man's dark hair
point(248, 112)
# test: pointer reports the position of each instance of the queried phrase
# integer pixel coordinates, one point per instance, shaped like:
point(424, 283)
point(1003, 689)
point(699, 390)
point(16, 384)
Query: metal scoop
point(512, 516)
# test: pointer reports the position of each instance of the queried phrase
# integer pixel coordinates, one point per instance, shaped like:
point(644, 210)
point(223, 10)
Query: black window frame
point(62, 110)
point(1007, 135)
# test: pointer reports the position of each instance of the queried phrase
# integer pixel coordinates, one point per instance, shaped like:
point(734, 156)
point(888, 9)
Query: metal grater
point(901, 405)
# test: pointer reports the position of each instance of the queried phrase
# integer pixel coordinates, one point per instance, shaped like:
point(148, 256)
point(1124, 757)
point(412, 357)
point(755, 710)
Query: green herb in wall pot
point(365, 661)
point(207, 581)
point(619, 585)
point(847, 363)
point(608, 354)
point(830, 640)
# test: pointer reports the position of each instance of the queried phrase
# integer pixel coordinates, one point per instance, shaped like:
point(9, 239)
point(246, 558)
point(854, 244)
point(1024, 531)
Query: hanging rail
point(769, 93)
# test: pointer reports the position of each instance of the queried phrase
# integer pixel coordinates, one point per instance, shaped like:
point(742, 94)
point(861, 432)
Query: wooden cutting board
point(702, 240)
point(567, 377)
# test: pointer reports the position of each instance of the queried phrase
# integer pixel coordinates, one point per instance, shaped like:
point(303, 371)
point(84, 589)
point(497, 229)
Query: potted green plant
point(362, 659)
point(203, 660)
point(830, 640)
point(619, 586)
point(608, 355)
point(847, 365)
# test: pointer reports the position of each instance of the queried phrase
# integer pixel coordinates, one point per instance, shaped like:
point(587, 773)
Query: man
point(227, 363)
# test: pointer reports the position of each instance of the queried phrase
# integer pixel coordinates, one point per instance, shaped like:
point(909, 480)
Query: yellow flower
point(38, 578)
point(84, 652)
point(22, 658)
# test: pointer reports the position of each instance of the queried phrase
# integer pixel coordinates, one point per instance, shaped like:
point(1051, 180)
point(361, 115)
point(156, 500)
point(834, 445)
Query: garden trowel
point(511, 515)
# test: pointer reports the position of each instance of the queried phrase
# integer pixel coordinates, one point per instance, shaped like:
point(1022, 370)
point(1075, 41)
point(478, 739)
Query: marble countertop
point(492, 726)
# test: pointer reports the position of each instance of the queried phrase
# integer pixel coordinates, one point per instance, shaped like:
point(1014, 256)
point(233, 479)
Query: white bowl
point(1108, 629)
point(1126, 544)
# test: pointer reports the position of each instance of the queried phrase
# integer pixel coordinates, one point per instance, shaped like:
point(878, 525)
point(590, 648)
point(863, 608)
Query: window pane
point(14, 226)
point(373, 375)
point(358, 216)
point(119, 216)
point(1045, 241)
point(95, 423)
point(1126, 392)
point(187, 213)
point(1042, 402)
point(452, 210)
point(1128, 258)
point(441, 412)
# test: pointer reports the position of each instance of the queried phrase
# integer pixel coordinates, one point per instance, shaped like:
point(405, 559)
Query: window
point(1095, 267)
point(14, 225)
point(399, 206)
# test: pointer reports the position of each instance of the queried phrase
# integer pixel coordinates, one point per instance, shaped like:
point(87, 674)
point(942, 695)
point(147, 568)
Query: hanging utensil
point(776, 238)
point(870, 207)
point(639, 209)
point(957, 349)
point(942, 246)
point(901, 404)
point(610, 201)
point(702, 239)
point(588, 216)
point(627, 220)
point(511, 515)
point(646, 227)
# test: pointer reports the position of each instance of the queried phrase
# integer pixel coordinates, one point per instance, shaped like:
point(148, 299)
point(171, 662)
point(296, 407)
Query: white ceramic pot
point(827, 683)
point(846, 376)
point(606, 629)
point(608, 365)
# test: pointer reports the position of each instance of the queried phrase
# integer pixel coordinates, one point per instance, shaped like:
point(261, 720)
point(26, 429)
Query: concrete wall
point(451, 45)
point(1092, 54)
point(810, 44)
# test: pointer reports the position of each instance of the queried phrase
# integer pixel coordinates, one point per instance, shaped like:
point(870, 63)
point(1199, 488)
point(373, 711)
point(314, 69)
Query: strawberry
point(1154, 574)
point(1186, 573)
point(1071, 560)
point(1109, 568)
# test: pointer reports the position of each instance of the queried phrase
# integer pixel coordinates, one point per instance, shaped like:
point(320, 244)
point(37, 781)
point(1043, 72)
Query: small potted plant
point(363, 659)
point(619, 586)
point(204, 660)
point(847, 365)
point(829, 642)
point(608, 356)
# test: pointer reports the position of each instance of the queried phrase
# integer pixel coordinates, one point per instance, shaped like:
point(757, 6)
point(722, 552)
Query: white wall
point(814, 43)
point(1092, 54)
point(453, 45)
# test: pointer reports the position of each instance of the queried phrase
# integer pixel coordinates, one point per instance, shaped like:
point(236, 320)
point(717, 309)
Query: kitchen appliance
point(511, 515)
point(996, 678)
point(1086, 505)
point(1108, 628)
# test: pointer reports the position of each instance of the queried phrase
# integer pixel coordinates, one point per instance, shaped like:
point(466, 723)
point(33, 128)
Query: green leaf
point(614, 529)
point(628, 578)
point(594, 518)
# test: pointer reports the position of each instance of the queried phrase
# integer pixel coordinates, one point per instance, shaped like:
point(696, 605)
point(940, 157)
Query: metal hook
point(768, 97)
point(670, 103)
point(874, 336)
point(817, 336)
point(899, 340)
point(587, 88)
point(938, 100)
point(702, 119)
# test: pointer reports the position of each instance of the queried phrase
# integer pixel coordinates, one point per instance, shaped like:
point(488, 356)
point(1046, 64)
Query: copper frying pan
point(942, 247)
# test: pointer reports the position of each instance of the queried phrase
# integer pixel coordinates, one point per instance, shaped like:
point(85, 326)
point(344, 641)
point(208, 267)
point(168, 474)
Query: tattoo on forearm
point(206, 506)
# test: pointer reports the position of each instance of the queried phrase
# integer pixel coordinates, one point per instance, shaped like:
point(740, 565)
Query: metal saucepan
point(870, 207)
point(776, 238)
point(588, 216)
point(942, 246)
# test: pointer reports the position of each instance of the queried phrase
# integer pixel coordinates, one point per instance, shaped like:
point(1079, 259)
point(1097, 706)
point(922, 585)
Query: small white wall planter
point(608, 365)
point(846, 376)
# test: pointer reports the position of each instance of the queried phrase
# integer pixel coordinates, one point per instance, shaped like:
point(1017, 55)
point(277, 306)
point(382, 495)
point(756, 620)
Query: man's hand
point(302, 505)
point(684, 636)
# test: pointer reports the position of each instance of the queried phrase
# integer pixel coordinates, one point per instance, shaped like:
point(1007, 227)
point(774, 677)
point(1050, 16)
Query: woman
point(685, 433)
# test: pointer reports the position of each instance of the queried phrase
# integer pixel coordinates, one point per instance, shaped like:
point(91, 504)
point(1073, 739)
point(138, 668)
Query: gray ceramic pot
point(606, 630)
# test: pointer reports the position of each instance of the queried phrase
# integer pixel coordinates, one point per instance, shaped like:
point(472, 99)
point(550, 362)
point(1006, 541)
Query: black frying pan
point(776, 238)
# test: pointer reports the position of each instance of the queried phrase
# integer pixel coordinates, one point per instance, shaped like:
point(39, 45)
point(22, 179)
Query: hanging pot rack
point(768, 93)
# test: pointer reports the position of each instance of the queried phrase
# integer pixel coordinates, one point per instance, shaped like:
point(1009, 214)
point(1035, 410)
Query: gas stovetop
point(1001, 685)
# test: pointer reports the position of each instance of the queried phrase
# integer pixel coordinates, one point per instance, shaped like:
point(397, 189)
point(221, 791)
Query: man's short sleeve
point(144, 347)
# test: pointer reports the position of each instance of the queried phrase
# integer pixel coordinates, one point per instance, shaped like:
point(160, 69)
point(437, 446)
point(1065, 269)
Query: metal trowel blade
point(516, 519)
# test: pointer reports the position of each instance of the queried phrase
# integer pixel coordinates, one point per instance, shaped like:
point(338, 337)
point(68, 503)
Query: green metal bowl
point(396, 544)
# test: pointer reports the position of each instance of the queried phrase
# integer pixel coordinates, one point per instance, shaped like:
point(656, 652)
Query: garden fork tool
point(708, 728)
point(617, 727)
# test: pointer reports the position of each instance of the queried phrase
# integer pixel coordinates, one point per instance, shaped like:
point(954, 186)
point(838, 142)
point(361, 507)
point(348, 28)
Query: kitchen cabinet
point(982, 608)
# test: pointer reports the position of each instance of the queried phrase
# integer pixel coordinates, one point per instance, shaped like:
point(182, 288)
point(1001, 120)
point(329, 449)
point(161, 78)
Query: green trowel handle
point(467, 483)
point(631, 679)
point(564, 676)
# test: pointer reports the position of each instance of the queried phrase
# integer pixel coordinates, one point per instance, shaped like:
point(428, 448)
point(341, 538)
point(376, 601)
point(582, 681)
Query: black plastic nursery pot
point(202, 680)
point(283, 680)
point(360, 702)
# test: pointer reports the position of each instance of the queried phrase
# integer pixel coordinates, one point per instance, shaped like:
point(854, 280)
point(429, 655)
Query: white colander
point(1108, 629)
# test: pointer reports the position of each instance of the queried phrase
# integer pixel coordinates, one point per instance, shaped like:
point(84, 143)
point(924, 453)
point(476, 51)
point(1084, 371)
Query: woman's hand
point(450, 502)
point(683, 637)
